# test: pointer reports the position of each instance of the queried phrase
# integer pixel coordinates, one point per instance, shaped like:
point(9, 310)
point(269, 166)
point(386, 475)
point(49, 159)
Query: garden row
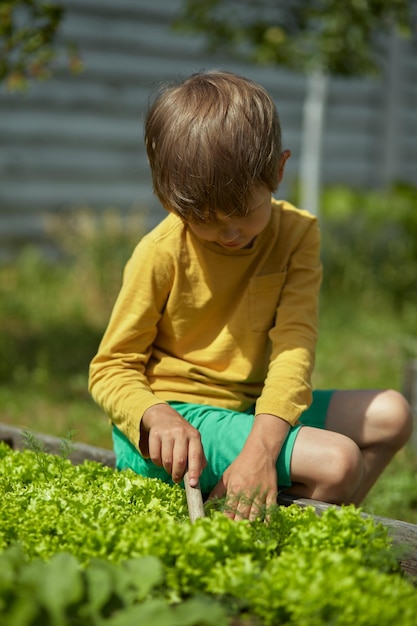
point(85, 545)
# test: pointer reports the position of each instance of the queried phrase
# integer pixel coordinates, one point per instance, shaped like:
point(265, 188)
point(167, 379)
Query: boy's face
point(235, 232)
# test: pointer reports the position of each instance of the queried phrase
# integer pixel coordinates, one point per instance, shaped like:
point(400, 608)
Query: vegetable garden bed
point(84, 545)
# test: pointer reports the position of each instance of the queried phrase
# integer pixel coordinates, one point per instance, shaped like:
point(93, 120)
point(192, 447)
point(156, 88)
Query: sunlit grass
point(362, 343)
point(54, 409)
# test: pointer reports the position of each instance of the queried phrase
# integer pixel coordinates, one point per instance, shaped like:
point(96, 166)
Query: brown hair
point(211, 140)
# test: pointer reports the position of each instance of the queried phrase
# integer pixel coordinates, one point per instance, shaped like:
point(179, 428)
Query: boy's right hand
point(172, 443)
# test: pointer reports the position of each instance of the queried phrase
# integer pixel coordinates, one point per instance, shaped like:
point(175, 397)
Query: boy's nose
point(229, 234)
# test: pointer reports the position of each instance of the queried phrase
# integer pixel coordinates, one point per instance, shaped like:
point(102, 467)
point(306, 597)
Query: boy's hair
point(211, 140)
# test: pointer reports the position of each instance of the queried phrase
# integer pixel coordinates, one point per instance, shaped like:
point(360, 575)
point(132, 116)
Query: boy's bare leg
point(380, 422)
point(365, 429)
point(325, 466)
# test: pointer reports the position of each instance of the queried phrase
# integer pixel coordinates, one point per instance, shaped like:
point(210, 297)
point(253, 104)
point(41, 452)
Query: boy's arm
point(117, 379)
point(287, 390)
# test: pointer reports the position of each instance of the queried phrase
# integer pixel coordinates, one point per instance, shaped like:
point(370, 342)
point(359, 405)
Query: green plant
point(342, 39)
point(96, 247)
point(66, 446)
point(60, 592)
point(370, 242)
point(111, 547)
point(28, 47)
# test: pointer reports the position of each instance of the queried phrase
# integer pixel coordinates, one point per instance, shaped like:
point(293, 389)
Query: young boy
point(207, 359)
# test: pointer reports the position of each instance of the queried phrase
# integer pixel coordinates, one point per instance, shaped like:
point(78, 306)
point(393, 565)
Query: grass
point(363, 342)
point(52, 316)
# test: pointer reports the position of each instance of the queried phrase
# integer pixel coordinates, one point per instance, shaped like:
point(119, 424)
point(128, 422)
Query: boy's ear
point(285, 155)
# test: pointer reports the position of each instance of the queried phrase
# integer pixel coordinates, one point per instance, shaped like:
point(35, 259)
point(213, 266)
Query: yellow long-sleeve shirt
point(198, 323)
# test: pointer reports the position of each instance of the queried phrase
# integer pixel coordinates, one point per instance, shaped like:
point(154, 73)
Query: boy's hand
point(250, 483)
point(172, 443)
point(250, 486)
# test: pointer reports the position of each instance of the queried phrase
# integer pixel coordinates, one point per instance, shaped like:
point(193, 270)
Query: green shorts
point(223, 434)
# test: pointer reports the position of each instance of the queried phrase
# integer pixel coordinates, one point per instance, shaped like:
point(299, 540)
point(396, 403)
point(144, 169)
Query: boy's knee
point(345, 469)
point(392, 415)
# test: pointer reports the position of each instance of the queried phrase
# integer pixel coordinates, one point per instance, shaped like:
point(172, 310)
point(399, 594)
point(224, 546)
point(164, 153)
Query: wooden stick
point(194, 499)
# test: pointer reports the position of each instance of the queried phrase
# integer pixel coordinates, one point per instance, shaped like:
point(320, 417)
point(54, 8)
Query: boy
point(207, 359)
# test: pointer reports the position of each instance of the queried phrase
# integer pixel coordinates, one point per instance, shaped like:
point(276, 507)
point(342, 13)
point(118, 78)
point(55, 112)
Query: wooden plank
point(61, 123)
point(403, 534)
point(66, 193)
point(15, 438)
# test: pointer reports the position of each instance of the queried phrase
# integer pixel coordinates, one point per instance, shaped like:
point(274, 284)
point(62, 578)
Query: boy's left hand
point(250, 487)
point(250, 483)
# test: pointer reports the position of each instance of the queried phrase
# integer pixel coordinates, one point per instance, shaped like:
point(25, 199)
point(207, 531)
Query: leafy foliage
point(28, 33)
point(370, 241)
point(53, 308)
point(89, 546)
point(345, 38)
point(60, 593)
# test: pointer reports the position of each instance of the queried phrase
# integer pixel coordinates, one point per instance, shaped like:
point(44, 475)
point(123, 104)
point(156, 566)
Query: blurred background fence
point(76, 140)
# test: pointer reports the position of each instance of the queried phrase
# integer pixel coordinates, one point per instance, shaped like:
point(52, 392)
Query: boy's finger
point(155, 450)
point(196, 461)
point(179, 461)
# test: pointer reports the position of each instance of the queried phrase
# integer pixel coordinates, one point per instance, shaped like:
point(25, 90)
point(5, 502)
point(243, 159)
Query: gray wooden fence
point(77, 139)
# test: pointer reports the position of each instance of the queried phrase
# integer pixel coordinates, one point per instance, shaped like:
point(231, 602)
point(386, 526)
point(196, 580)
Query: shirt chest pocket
point(264, 294)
